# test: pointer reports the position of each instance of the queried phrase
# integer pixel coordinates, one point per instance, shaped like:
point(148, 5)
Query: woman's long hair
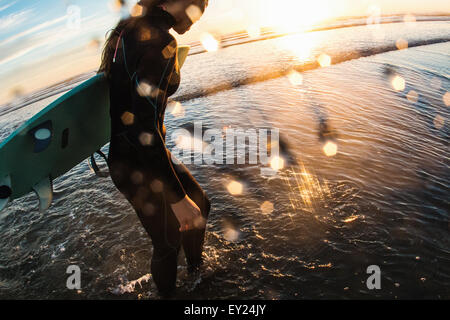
point(128, 23)
point(110, 45)
point(114, 34)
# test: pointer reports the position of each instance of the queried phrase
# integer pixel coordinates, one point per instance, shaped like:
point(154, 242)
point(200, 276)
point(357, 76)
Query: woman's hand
point(187, 213)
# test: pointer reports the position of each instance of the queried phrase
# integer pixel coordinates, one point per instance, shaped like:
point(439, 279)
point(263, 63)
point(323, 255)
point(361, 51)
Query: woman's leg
point(193, 240)
point(140, 189)
point(158, 219)
point(166, 239)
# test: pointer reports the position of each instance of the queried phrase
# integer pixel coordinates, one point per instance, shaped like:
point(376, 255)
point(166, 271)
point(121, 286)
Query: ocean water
point(308, 231)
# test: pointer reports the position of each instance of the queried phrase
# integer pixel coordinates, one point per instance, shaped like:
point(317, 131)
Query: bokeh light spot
point(296, 78)
point(330, 149)
point(277, 163)
point(412, 96)
point(398, 83)
point(439, 122)
point(144, 89)
point(235, 188)
point(446, 98)
point(137, 10)
point(145, 34)
point(324, 60)
point(127, 118)
point(401, 44)
point(169, 51)
point(137, 177)
point(231, 234)
point(149, 209)
point(435, 83)
point(194, 13)
point(157, 186)
point(176, 109)
point(117, 5)
point(267, 207)
point(146, 139)
point(200, 222)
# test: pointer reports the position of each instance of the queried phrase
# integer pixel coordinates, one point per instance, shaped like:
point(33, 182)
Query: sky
point(46, 41)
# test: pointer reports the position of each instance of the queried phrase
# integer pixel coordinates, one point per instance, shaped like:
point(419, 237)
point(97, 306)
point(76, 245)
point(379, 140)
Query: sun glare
point(209, 42)
point(294, 15)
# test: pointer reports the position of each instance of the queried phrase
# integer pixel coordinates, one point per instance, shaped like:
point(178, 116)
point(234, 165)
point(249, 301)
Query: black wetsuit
point(141, 166)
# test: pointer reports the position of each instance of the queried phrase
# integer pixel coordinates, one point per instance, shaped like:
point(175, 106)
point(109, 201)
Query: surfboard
point(56, 139)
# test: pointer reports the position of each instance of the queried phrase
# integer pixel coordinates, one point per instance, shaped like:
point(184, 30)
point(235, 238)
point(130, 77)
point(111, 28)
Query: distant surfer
point(139, 60)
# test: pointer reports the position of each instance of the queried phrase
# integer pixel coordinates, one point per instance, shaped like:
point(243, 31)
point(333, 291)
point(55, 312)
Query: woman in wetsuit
point(140, 62)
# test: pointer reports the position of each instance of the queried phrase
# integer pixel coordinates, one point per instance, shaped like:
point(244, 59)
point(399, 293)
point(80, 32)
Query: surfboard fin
point(44, 191)
point(5, 191)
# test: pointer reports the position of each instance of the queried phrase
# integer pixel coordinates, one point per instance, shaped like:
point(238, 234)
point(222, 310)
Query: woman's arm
point(148, 91)
point(150, 81)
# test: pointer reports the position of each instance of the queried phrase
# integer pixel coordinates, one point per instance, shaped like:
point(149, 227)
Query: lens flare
point(306, 189)
point(301, 49)
point(373, 15)
point(209, 42)
point(294, 15)
point(254, 31)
